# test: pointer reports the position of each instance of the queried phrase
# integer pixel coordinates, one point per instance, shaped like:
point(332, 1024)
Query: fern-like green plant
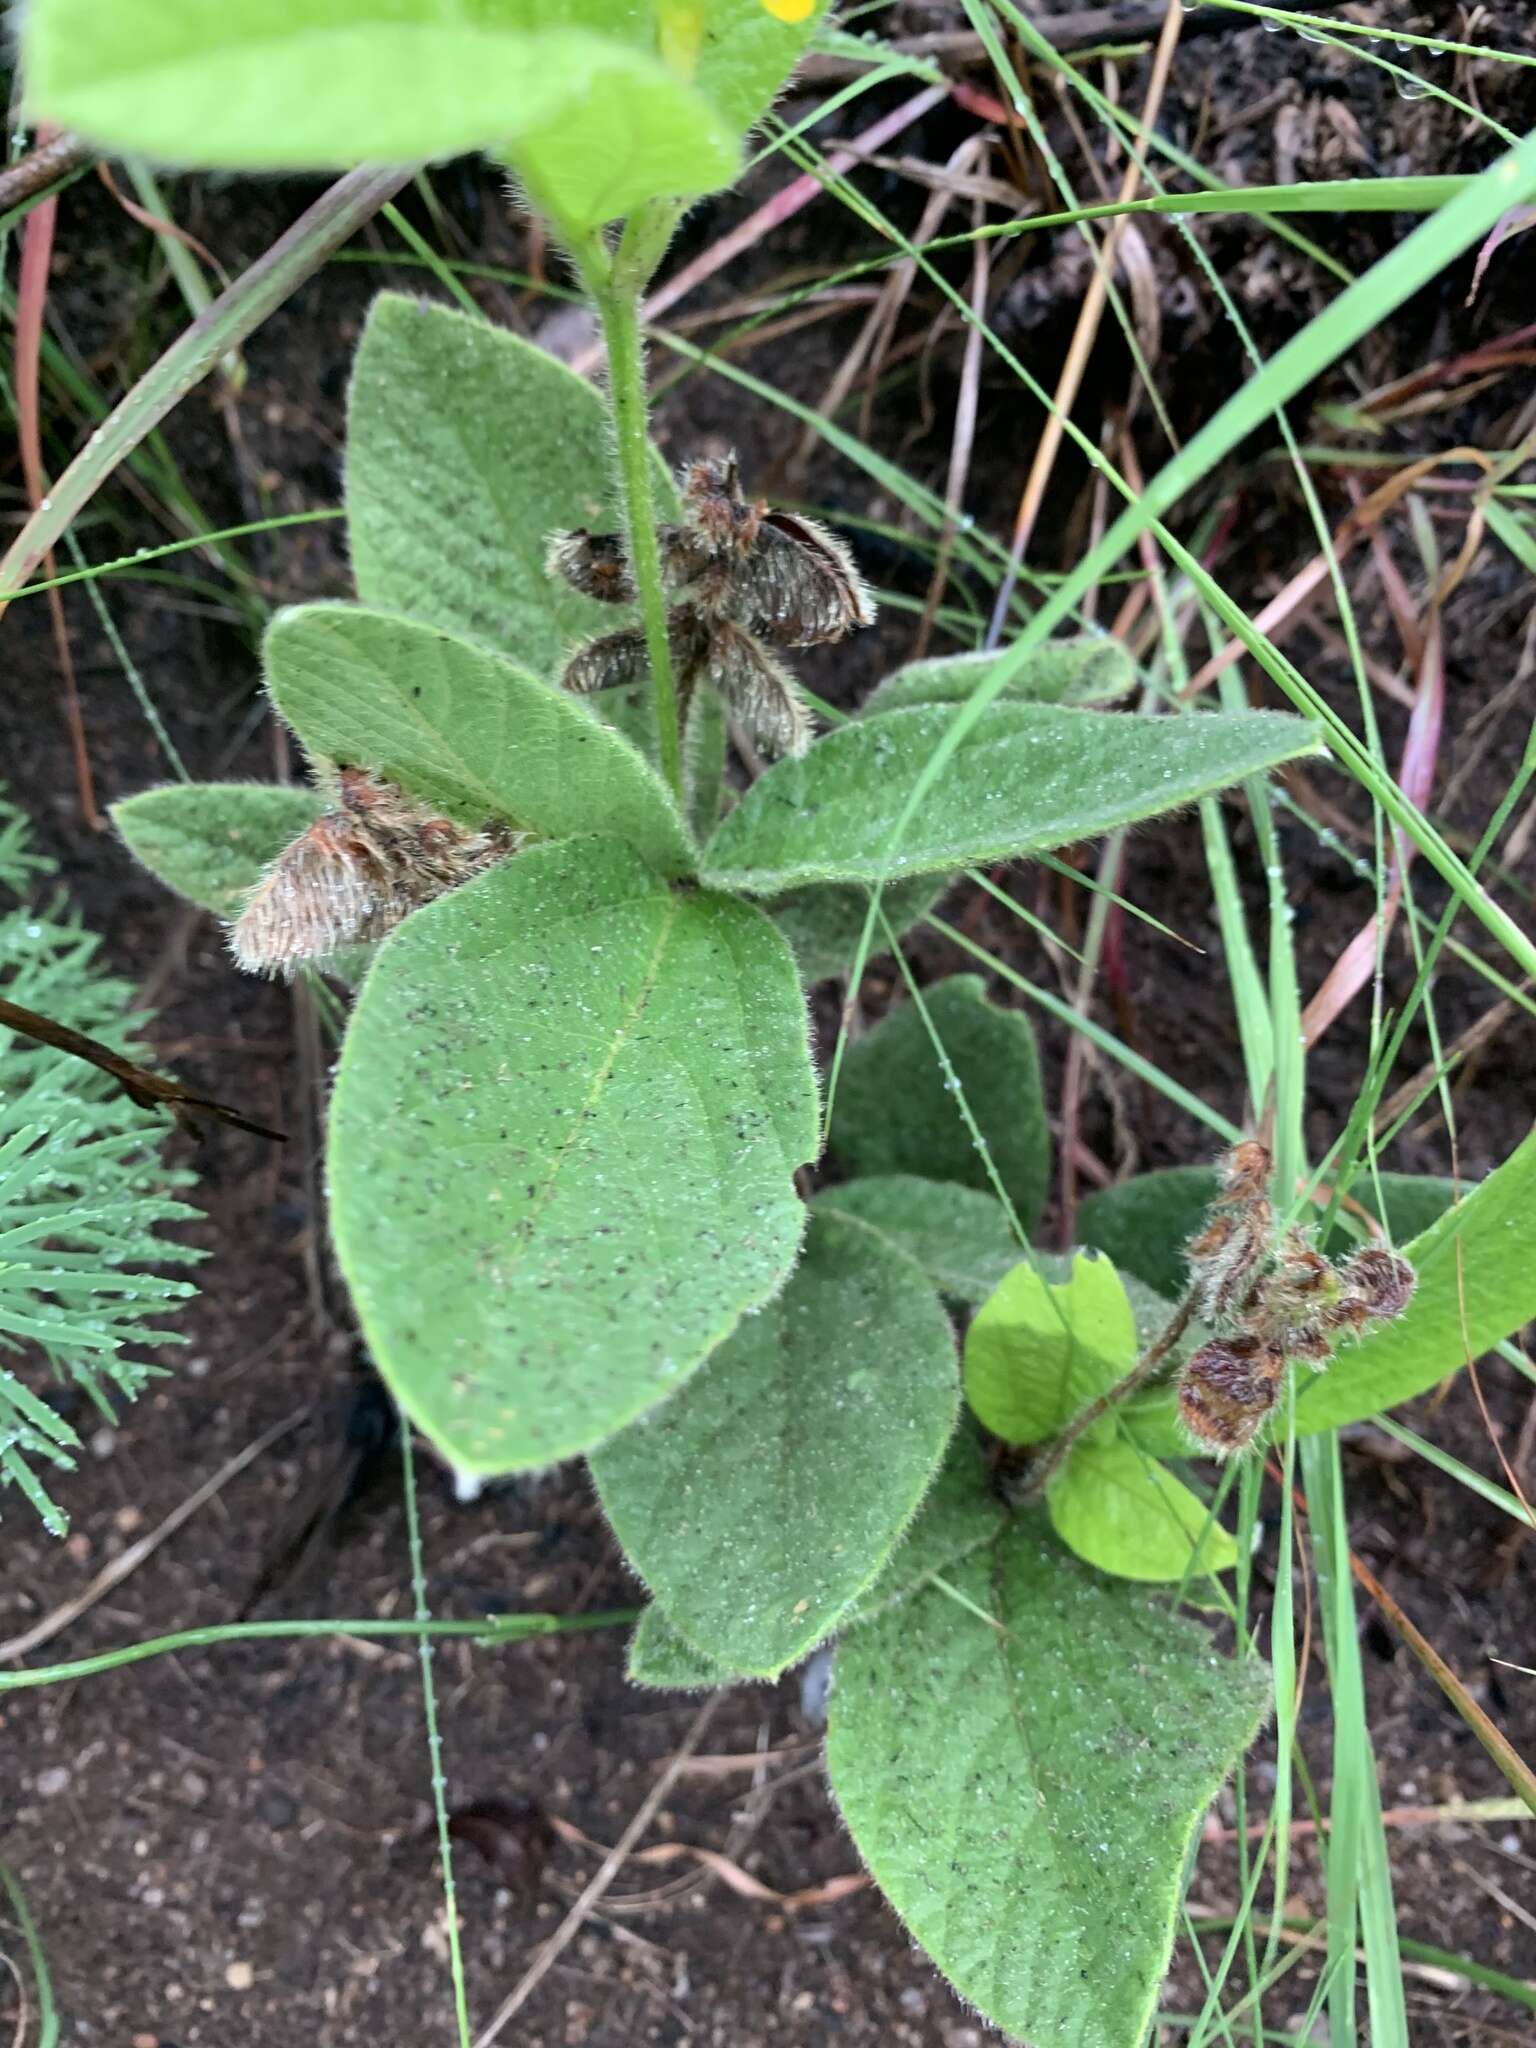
point(84, 1197)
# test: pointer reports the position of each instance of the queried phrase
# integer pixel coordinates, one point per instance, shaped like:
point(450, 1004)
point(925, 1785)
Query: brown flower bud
point(596, 564)
point(1381, 1282)
point(1244, 1173)
point(356, 873)
point(1228, 1389)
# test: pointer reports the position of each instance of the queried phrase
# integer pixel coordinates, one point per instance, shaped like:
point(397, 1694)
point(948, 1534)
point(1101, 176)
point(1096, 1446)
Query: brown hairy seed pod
point(607, 663)
point(1244, 1173)
point(1380, 1281)
point(596, 564)
point(356, 873)
point(1224, 1276)
point(757, 688)
point(799, 585)
point(1227, 1391)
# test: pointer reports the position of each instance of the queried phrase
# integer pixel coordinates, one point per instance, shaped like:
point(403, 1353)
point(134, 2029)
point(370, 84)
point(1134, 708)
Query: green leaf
point(457, 726)
point(769, 1492)
point(466, 449)
point(1025, 779)
point(1145, 1223)
point(1091, 669)
point(565, 1122)
point(960, 1237)
point(1025, 1789)
point(210, 841)
point(1125, 1513)
point(960, 1513)
point(1477, 1285)
point(897, 1108)
point(1036, 1353)
point(660, 1657)
point(824, 922)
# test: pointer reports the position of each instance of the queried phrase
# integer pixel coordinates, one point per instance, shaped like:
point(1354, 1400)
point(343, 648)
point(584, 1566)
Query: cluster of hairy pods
point(357, 872)
point(741, 579)
point(1274, 1301)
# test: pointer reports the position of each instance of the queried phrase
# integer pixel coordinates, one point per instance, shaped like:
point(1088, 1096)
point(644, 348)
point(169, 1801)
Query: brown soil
point(234, 1843)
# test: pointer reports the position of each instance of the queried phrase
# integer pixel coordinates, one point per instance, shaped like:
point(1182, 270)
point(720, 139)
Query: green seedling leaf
point(1092, 669)
point(210, 841)
point(1036, 1353)
point(897, 1108)
point(1125, 1513)
point(769, 1492)
point(824, 921)
point(660, 1657)
point(466, 449)
point(1477, 1285)
point(1025, 1787)
point(565, 1122)
point(960, 1513)
point(960, 1237)
point(1025, 779)
point(458, 726)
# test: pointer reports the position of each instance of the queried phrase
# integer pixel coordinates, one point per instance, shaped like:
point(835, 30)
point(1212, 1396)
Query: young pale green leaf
point(960, 1237)
point(660, 1657)
point(1477, 1285)
point(579, 85)
point(458, 726)
point(897, 1108)
point(1125, 1513)
point(1037, 1353)
point(771, 1489)
point(466, 449)
point(210, 841)
point(960, 1513)
point(565, 1122)
point(1025, 1788)
point(1145, 1223)
point(1092, 669)
point(1025, 779)
point(824, 921)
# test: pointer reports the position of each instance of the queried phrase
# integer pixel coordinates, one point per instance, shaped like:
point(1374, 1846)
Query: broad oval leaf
point(898, 1103)
point(1477, 1285)
point(659, 1657)
point(565, 1122)
point(466, 449)
point(1025, 1788)
point(960, 1237)
point(210, 841)
point(1127, 1514)
point(457, 726)
point(1091, 669)
point(770, 1491)
point(959, 1513)
point(1025, 779)
point(824, 921)
point(1037, 1353)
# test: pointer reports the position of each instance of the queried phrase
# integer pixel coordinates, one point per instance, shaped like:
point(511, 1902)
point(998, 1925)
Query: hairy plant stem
point(616, 293)
point(1056, 1453)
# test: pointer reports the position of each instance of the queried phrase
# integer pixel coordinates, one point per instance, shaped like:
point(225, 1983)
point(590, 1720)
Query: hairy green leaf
point(210, 841)
point(1477, 1285)
point(824, 921)
point(771, 1489)
point(1092, 669)
point(458, 726)
point(1125, 1513)
point(960, 1237)
point(959, 1514)
point(1037, 1353)
point(565, 1122)
point(1025, 1787)
point(660, 1657)
point(466, 449)
point(897, 1108)
point(1025, 779)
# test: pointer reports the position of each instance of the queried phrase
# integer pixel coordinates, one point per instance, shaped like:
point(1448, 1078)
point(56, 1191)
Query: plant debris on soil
point(236, 1842)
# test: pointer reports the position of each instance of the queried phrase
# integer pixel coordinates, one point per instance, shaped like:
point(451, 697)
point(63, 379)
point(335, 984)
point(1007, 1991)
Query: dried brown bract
point(356, 873)
point(1276, 1303)
point(744, 579)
